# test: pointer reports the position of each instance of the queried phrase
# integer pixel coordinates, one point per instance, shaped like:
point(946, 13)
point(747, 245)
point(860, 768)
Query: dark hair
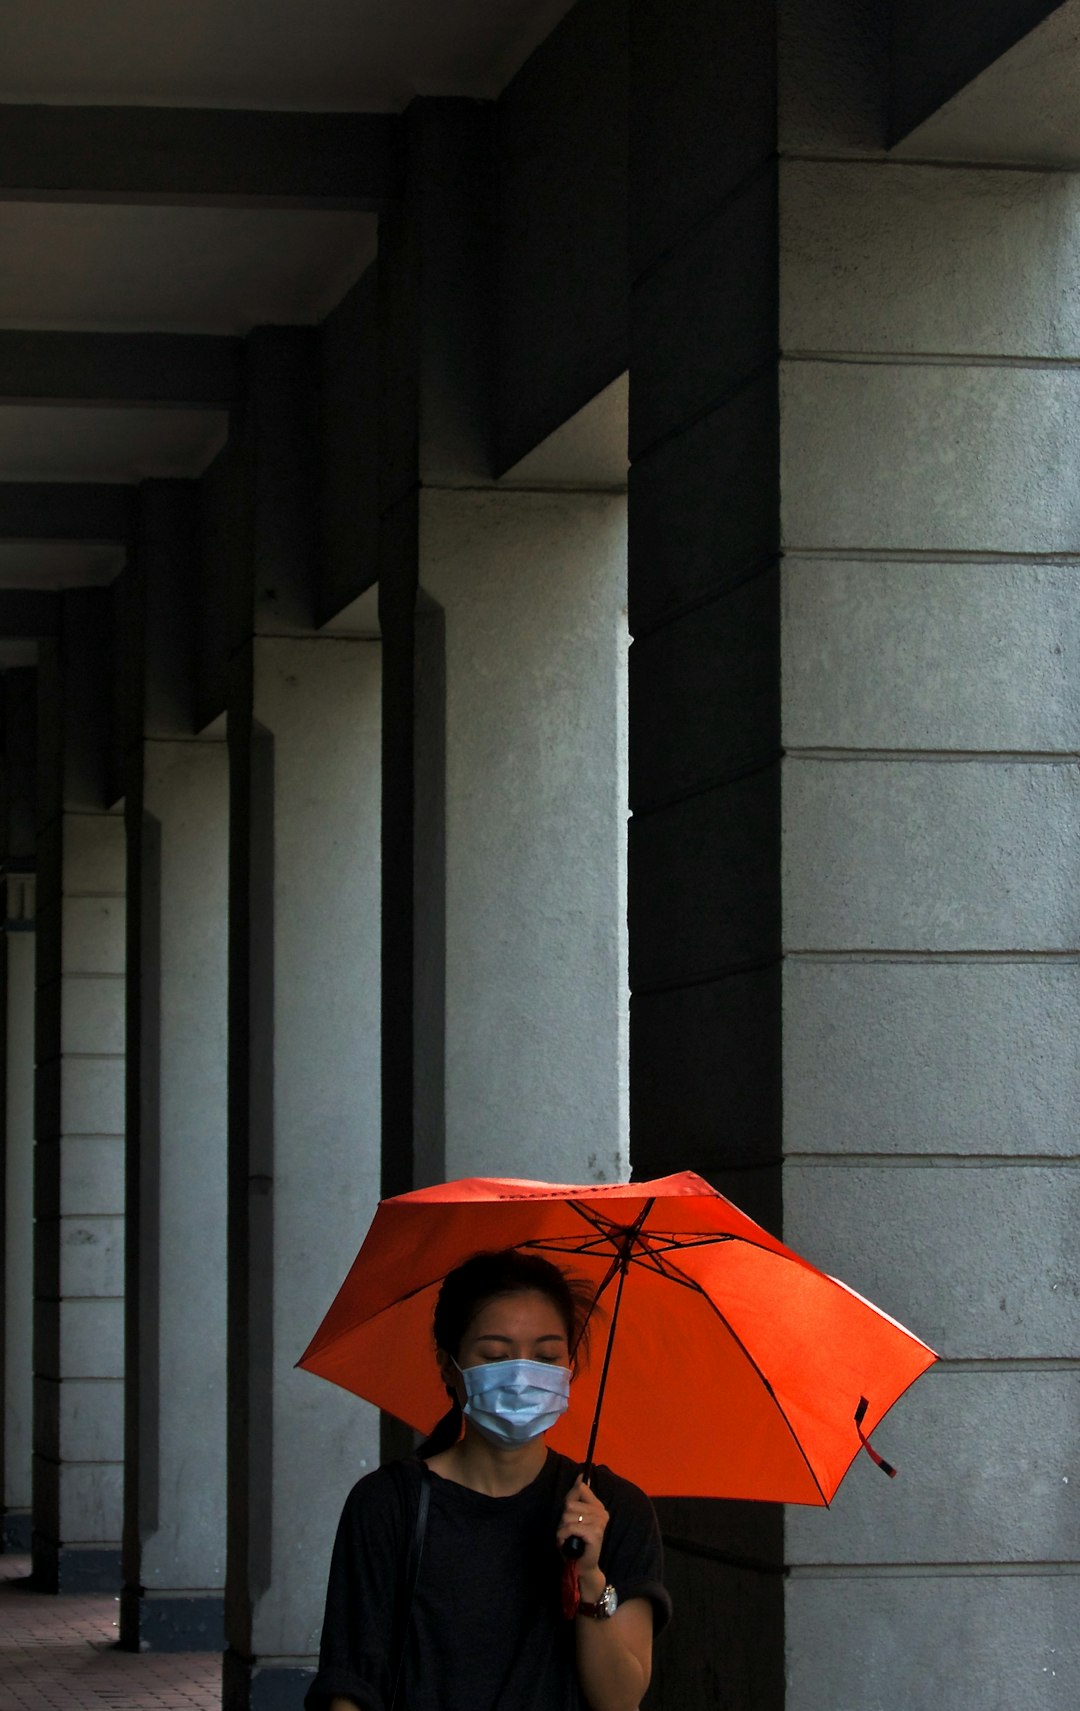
point(483, 1277)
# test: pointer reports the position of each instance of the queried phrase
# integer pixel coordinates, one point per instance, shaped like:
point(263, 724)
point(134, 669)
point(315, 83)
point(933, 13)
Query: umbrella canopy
point(737, 1368)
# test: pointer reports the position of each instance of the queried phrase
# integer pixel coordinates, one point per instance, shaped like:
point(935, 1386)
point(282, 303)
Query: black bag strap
point(412, 1576)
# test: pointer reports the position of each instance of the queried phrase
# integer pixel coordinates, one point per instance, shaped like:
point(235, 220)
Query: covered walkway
point(59, 1653)
point(539, 636)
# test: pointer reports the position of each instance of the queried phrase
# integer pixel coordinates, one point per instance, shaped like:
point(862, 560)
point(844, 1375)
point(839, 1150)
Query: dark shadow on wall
point(429, 894)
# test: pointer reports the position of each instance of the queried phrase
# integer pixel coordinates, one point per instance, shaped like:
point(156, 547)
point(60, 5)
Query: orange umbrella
point(732, 1367)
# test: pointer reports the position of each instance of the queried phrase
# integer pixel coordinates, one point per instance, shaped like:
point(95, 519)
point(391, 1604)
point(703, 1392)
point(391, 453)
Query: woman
point(490, 1621)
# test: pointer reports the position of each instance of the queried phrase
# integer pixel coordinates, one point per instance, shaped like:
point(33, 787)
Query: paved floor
point(60, 1654)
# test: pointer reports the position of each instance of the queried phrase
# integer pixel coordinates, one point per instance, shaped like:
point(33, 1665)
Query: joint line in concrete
point(1005, 955)
point(932, 1161)
point(927, 359)
point(939, 757)
point(928, 1570)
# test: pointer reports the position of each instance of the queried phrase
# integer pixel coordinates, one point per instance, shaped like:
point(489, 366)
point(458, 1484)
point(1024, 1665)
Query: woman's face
point(524, 1326)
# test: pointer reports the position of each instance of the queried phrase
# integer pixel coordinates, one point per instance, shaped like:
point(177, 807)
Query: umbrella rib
point(594, 1303)
point(672, 1272)
point(365, 1319)
point(567, 1244)
point(691, 1283)
point(606, 1227)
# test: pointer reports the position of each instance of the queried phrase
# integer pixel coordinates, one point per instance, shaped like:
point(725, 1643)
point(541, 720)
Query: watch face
point(608, 1602)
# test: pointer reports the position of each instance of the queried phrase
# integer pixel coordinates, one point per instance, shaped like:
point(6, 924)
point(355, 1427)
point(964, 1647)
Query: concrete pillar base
point(74, 1568)
point(180, 1622)
point(249, 1687)
point(16, 1532)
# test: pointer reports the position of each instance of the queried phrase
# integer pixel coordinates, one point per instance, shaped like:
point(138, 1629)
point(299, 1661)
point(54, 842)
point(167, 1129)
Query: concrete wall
point(532, 590)
point(930, 609)
point(18, 951)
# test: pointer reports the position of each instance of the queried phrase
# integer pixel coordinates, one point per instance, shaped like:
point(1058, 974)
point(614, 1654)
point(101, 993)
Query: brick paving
point(60, 1654)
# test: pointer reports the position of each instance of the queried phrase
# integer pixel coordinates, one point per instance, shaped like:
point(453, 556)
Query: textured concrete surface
point(91, 1501)
point(91, 1174)
point(911, 855)
point(18, 1203)
point(92, 1338)
point(1002, 1642)
point(930, 656)
point(684, 546)
point(684, 364)
point(899, 1057)
point(93, 934)
point(92, 1094)
point(92, 1019)
point(707, 845)
point(987, 1474)
point(833, 69)
point(185, 792)
point(1013, 1295)
point(92, 1255)
point(1021, 108)
point(931, 457)
point(928, 260)
point(703, 700)
point(533, 590)
point(320, 699)
point(706, 1061)
point(91, 1418)
point(928, 437)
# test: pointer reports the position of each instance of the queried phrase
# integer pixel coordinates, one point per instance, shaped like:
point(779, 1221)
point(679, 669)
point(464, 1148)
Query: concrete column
point(79, 1117)
point(531, 1027)
point(303, 734)
point(17, 1192)
point(503, 614)
point(436, 351)
point(931, 720)
point(176, 799)
point(704, 894)
point(18, 989)
point(919, 426)
point(183, 845)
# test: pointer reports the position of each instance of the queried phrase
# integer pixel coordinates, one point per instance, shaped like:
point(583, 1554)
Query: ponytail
point(444, 1434)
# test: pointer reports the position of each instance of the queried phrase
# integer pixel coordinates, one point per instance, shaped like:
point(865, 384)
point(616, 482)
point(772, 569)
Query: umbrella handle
point(574, 1546)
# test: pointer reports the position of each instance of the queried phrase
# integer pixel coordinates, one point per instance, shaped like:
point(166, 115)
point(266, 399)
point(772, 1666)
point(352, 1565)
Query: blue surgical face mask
point(511, 1401)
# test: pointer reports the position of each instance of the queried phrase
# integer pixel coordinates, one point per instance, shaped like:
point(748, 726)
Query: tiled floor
point(59, 1654)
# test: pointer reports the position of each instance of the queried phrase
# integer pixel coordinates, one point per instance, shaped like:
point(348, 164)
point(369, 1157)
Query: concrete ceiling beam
point(937, 48)
point(167, 369)
point(200, 157)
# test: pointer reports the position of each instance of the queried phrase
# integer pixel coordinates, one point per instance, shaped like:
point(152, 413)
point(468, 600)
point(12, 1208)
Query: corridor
point(60, 1653)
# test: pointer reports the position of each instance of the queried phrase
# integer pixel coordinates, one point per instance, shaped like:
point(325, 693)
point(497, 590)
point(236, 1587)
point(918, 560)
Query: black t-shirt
point(486, 1632)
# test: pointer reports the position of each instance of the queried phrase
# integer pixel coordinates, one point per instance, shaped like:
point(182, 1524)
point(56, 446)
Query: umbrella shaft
point(589, 1454)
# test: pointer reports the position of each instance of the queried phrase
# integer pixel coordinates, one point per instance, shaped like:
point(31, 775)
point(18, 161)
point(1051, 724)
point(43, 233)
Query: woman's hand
point(584, 1515)
point(614, 1655)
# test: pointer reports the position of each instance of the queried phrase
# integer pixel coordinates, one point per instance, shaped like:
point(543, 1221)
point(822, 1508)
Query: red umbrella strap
point(571, 1591)
point(879, 1461)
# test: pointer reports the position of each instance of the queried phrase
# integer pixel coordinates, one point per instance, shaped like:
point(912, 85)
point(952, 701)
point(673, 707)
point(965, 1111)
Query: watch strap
point(601, 1608)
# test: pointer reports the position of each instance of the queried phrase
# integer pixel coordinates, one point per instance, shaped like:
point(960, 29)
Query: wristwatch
point(605, 1606)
